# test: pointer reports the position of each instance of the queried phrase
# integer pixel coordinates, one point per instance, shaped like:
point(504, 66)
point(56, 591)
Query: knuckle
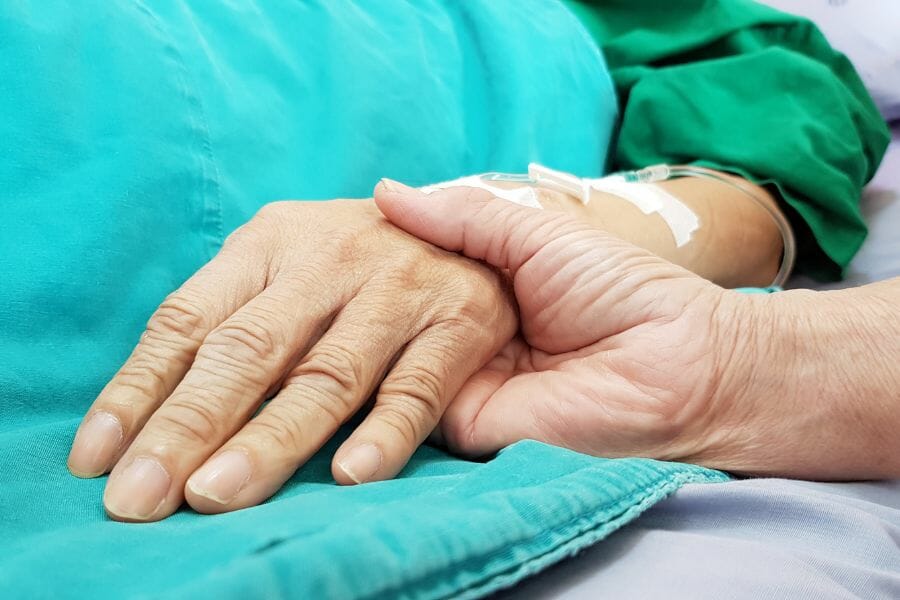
point(478, 293)
point(243, 239)
point(315, 405)
point(349, 245)
point(242, 342)
point(402, 419)
point(244, 232)
point(335, 371)
point(475, 295)
point(281, 430)
point(252, 250)
point(196, 421)
point(178, 316)
point(299, 416)
point(143, 376)
point(416, 391)
point(311, 275)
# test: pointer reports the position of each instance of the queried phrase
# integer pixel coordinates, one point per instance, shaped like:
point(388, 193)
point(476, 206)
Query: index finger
point(161, 358)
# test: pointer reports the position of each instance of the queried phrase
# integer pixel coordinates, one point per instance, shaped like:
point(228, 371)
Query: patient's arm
point(737, 244)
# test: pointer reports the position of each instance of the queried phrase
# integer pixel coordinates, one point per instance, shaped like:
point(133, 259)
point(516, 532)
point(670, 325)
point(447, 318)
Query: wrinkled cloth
point(445, 528)
point(743, 540)
point(741, 87)
point(133, 137)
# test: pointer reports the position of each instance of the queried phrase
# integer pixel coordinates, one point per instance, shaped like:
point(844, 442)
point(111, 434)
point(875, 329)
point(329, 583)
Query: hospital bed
point(744, 538)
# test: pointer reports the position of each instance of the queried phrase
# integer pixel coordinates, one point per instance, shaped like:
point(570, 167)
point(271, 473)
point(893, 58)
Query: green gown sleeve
point(741, 87)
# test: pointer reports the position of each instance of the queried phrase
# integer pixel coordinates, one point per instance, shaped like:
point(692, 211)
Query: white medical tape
point(561, 182)
point(647, 197)
point(650, 198)
point(523, 196)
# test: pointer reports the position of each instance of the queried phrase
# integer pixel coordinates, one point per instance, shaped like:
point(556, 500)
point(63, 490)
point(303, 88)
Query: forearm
point(737, 243)
point(815, 386)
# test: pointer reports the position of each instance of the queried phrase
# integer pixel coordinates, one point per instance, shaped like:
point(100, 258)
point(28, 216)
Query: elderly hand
point(319, 304)
point(621, 353)
point(624, 354)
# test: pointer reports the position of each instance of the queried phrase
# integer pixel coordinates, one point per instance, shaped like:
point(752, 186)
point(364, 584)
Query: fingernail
point(395, 186)
point(139, 490)
point(223, 477)
point(95, 445)
point(361, 462)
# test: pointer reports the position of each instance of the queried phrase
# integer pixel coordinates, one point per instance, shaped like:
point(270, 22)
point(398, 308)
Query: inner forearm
point(737, 243)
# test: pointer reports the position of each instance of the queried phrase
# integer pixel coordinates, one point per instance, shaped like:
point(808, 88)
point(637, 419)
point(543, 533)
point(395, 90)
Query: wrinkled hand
point(620, 353)
point(320, 304)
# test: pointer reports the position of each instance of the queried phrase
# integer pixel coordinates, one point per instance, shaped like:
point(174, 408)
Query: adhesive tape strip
point(560, 181)
point(649, 198)
point(523, 196)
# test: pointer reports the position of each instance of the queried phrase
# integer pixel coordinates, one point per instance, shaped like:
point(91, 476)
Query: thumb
point(474, 222)
point(574, 284)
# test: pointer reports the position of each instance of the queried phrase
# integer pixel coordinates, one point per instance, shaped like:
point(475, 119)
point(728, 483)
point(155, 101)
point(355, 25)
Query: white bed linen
point(762, 538)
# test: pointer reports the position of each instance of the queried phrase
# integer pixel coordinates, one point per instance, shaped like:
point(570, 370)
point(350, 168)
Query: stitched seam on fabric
point(618, 508)
point(212, 204)
point(623, 510)
point(587, 532)
point(591, 533)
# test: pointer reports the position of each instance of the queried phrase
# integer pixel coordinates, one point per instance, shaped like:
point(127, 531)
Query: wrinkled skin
point(321, 304)
point(620, 353)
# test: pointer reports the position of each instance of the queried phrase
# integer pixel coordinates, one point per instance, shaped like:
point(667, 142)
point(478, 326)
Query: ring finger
point(322, 392)
point(237, 363)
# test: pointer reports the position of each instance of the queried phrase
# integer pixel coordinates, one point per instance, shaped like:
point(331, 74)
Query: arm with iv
point(719, 226)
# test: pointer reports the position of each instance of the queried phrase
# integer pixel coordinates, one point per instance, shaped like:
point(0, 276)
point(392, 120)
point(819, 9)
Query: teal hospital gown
point(134, 136)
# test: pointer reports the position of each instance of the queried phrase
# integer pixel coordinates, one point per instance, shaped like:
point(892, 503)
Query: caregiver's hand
point(621, 352)
point(625, 354)
point(314, 302)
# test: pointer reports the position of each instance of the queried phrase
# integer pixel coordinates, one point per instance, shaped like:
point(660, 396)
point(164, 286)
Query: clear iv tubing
point(658, 173)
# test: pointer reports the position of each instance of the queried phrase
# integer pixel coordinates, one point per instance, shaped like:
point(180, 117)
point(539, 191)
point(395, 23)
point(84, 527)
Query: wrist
point(807, 389)
point(755, 366)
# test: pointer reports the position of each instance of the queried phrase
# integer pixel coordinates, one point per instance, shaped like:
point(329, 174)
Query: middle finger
point(325, 389)
point(234, 367)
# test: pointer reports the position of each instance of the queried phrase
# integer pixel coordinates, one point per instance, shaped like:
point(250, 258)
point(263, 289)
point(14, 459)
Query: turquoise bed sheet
point(445, 528)
point(133, 137)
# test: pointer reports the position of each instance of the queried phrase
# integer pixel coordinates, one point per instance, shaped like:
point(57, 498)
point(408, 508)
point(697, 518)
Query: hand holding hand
point(621, 353)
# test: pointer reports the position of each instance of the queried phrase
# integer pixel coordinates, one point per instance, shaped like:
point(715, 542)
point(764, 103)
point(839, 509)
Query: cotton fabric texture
point(739, 86)
point(134, 137)
point(743, 540)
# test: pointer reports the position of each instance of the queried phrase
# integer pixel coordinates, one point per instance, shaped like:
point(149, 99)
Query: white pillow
point(868, 32)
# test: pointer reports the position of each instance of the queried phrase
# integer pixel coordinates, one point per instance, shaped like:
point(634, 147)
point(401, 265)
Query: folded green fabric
point(133, 137)
point(738, 86)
